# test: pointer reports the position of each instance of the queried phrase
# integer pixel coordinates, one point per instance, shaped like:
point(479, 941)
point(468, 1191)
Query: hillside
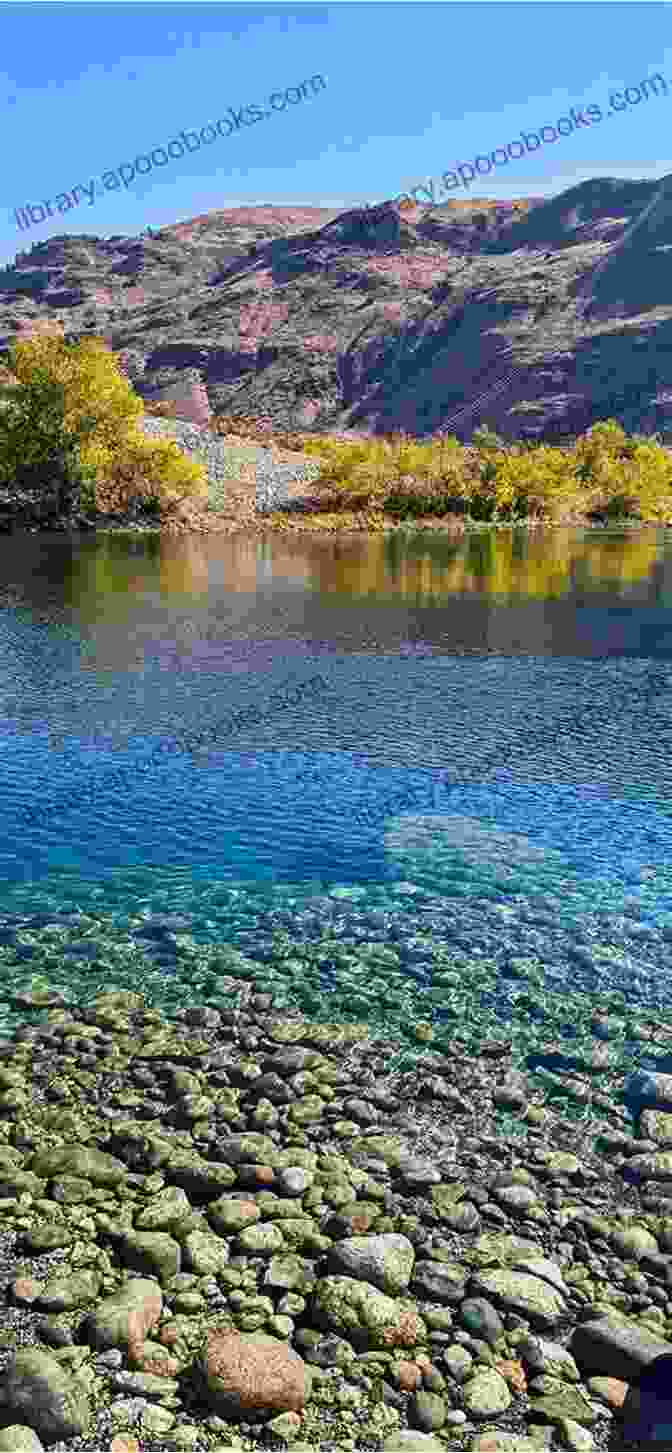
point(538, 317)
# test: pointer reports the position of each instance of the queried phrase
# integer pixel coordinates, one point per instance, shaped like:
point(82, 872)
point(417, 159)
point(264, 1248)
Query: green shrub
point(403, 503)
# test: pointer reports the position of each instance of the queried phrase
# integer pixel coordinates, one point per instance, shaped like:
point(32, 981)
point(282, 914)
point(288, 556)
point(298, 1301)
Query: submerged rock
point(478, 842)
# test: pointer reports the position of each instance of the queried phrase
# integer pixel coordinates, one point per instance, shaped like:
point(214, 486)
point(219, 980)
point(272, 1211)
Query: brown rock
point(405, 1333)
point(139, 1321)
point(609, 1390)
point(254, 1372)
point(409, 1376)
point(25, 1289)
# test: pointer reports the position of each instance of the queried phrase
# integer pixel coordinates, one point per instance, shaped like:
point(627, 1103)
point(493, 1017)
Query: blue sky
point(412, 90)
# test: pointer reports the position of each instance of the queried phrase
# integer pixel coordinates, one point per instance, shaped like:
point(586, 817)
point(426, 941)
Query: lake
point(407, 780)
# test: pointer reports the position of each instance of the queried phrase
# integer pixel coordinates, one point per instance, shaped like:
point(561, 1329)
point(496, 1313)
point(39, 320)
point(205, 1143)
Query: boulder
point(205, 1253)
point(19, 1438)
point(124, 1319)
point(366, 1316)
point(519, 1291)
point(386, 1261)
point(228, 1215)
point(254, 1373)
point(407, 1441)
point(615, 1348)
point(80, 1160)
point(64, 1293)
point(37, 1391)
point(486, 1394)
point(165, 1210)
point(152, 1254)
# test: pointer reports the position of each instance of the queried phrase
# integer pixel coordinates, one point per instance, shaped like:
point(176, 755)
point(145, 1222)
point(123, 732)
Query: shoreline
point(300, 507)
point(290, 522)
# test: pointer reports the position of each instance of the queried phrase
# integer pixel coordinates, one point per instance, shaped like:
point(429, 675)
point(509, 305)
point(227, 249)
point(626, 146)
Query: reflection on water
point(512, 563)
point(104, 580)
point(483, 779)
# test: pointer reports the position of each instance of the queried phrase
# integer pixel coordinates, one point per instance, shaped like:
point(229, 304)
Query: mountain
point(537, 316)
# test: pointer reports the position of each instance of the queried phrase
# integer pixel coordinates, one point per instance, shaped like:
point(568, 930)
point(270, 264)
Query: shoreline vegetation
point(602, 477)
point(73, 457)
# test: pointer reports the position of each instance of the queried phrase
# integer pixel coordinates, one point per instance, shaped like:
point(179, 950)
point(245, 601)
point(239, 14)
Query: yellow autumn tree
point(622, 475)
point(71, 424)
point(649, 481)
point(351, 469)
point(601, 444)
point(600, 463)
point(541, 482)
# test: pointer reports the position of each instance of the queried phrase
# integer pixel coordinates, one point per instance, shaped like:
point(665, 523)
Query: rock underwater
point(479, 842)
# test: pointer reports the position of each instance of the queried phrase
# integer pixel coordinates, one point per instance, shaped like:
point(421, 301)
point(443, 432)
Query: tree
point(72, 422)
point(33, 430)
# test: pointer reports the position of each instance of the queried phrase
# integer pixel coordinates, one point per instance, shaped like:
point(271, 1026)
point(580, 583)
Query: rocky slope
point(536, 317)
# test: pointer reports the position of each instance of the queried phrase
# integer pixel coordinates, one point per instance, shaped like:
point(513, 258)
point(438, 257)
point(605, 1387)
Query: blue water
point(271, 809)
point(131, 786)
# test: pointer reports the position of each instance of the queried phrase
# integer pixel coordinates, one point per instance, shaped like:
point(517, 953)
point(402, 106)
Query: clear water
point(451, 803)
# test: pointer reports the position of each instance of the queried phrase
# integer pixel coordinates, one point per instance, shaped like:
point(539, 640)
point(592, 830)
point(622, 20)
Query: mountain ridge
point(537, 316)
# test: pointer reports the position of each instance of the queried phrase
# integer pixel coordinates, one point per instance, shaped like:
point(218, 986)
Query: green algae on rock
point(369, 1316)
point(46, 1396)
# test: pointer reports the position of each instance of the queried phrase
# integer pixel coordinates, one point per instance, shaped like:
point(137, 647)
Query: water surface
point(400, 779)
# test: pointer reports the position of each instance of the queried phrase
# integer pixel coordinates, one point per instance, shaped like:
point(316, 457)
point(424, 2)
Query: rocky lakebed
point(236, 1228)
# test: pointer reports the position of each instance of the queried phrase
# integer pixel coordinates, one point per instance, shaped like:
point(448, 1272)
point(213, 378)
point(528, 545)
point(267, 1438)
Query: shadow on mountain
point(580, 214)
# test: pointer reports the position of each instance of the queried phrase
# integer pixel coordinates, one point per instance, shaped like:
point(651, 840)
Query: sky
point(412, 91)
